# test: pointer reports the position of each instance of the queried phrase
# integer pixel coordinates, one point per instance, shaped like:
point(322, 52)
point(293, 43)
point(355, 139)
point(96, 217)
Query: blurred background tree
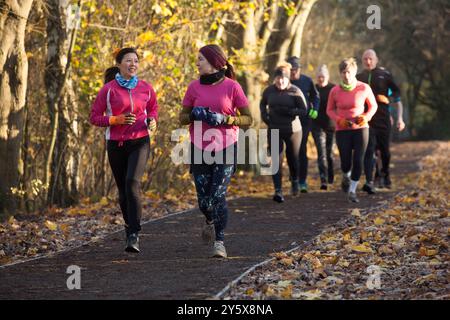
point(50, 155)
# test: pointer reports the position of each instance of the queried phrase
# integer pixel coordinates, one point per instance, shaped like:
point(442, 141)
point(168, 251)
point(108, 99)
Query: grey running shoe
point(208, 232)
point(132, 243)
point(369, 187)
point(352, 197)
point(345, 184)
point(219, 250)
point(278, 197)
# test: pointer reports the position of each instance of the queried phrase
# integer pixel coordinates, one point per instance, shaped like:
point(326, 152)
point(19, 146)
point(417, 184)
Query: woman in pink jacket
point(128, 108)
point(346, 106)
point(214, 106)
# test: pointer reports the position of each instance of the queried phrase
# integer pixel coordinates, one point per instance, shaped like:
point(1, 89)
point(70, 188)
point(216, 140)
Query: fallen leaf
point(287, 261)
point(334, 280)
point(310, 295)
point(104, 201)
point(287, 292)
point(347, 237)
point(284, 283)
point(356, 213)
point(51, 225)
point(64, 227)
point(331, 260)
point(423, 279)
point(425, 252)
point(364, 236)
point(268, 291)
point(249, 292)
point(32, 251)
point(385, 250)
point(362, 249)
point(343, 263)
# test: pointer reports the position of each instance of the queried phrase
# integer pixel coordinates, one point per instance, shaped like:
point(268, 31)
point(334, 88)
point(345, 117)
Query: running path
point(173, 262)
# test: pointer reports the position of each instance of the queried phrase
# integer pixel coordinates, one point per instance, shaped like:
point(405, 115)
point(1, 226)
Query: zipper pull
point(131, 101)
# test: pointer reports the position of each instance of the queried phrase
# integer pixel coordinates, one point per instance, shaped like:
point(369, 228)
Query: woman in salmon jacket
point(128, 108)
point(347, 107)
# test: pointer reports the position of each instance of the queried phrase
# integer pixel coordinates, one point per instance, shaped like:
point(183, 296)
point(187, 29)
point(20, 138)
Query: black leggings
point(303, 155)
point(324, 140)
point(352, 145)
point(378, 139)
point(292, 141)
point(128, 162)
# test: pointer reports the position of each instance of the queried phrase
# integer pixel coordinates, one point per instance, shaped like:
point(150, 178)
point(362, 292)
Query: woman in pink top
point(347, 107)
point(127, 107)
point(214, 106)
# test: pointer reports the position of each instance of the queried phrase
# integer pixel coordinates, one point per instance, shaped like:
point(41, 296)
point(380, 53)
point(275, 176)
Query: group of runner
point(356, 113)
point(356, 109)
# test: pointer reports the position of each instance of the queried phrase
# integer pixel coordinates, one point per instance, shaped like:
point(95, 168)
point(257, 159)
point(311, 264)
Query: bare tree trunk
point(13, 86)
point(265, 40)
point(127, 24)
point(293, 30)
point(64, 155)
point(249, 42)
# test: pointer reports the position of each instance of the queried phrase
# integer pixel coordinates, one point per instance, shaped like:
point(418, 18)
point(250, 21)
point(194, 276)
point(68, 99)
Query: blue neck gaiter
point(128, 84)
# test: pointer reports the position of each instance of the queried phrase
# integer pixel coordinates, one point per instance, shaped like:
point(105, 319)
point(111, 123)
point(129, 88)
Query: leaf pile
point(407, 241)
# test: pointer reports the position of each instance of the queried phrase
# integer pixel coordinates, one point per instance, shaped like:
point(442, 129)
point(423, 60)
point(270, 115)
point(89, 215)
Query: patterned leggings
point(211, 182)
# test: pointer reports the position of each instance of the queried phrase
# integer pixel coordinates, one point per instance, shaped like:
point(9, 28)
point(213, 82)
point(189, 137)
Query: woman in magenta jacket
point(128, 108)
point(214, 106)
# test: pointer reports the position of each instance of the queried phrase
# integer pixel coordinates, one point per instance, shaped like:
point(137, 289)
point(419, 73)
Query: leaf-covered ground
point(28, 236)
point(406, 241)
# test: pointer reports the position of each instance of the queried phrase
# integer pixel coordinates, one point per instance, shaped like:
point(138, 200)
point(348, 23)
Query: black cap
point(295, 62)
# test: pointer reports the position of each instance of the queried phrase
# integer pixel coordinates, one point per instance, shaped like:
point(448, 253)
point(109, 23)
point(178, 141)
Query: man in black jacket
point(381, 81)
point(311, 94)
point(323, 130)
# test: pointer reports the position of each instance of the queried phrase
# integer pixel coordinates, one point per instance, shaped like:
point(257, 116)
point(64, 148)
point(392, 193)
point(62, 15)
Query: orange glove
point(361, 120)
point(382, 98)
point(344, 123)
point(124, 118)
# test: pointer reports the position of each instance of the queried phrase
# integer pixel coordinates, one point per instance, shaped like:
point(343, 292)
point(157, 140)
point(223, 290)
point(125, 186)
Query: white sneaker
point(208, 233)
point(219, 250)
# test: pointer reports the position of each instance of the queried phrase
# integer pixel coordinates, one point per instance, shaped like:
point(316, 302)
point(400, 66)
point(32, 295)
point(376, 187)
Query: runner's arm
point(243, 118)
point(397, 102)
point(314, 97)
point(185, 115)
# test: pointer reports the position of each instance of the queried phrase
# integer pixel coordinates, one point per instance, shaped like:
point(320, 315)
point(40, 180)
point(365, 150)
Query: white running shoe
point(219, 250)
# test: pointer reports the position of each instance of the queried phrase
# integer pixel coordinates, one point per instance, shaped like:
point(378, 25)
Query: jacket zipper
point(132, 109)
point(131, 101)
